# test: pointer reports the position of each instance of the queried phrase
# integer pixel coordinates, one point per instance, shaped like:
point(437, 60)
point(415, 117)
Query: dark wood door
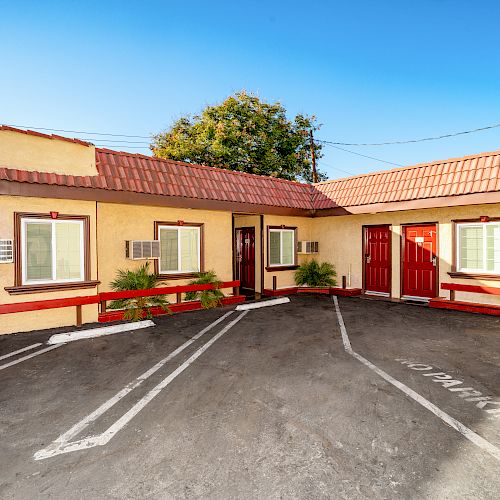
point(377, 254)
point(420, 261)
point(245, 257)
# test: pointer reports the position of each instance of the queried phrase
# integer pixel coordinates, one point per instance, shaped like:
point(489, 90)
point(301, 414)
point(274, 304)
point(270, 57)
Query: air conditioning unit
point(139, 249)
point(6, 251)
point(308, 247)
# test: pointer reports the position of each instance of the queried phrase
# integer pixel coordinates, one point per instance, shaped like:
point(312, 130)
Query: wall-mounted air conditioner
point(308, 247)
point(6, 251)
point(142, 249)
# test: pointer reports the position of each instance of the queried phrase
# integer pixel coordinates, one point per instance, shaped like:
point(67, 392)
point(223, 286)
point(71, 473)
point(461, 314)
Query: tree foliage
point(246, 134)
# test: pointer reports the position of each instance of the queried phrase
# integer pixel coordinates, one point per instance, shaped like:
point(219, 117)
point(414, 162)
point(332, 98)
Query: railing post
point(79, 315)
point(103, 306)
point(344, 281)
point(452, 294)
point(179, 297)
point(275, 282)
point(236, 290)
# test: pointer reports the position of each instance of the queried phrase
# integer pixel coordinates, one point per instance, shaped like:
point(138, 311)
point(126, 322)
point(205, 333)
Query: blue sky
point(369, 70)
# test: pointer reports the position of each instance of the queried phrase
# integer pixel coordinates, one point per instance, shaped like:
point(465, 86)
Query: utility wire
point(365, 156)
point(323, 141)
point(80, 132)
point(445, 136)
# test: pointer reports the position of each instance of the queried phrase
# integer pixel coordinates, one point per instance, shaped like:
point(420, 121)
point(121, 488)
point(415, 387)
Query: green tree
point(245, 134)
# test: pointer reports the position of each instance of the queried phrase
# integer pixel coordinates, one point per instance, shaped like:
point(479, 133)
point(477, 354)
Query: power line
point(445, 136)
point(323, 141)
point(366, 156)
point(80, 132)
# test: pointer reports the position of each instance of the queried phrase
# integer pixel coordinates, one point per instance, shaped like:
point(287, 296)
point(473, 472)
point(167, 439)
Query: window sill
point(281, 268)
point(474, 276)
point(178, 276)
point(50, 287)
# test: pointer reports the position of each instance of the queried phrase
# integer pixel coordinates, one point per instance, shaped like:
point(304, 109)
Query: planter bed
point(472, 307)
point(333, 290)
point(174, 308)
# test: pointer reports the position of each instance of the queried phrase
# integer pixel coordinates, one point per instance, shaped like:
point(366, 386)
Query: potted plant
point(208, 298)
point(315, 275)
point(137, 308)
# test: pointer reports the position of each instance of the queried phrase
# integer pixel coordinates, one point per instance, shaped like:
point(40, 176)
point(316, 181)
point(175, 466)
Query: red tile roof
point(456, 176)
point(120, 171)
point(144, 174)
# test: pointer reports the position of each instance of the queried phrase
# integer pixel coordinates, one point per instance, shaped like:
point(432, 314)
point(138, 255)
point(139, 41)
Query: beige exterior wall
point(21, 322)
point(304, 227)
point(340, 242)
point(118, 223)
point(43, 154)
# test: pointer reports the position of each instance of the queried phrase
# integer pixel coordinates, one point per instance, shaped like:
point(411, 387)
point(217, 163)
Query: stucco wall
point(42, 154)
point(21, 322)
point(118, 223)
point(304, 232)
point(340, 242)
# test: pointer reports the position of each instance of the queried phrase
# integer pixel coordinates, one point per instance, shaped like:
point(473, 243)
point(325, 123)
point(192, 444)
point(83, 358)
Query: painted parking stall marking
point(63, 443)
point(452, 422)
point(485, 403)
point(29, 356)
point(19, 351)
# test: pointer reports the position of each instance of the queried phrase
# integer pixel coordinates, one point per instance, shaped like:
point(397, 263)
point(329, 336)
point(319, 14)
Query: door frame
point(235, 232)
point(364, 233)
point(402, 254)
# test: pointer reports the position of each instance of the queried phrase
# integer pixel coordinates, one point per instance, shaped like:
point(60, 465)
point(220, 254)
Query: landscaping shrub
point(137, 308)
point(208, 298)
point(313, 274)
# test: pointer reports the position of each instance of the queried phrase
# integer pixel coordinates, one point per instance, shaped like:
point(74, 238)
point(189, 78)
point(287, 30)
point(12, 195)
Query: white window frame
point(179, 253)
point(458, 247)
point(281, 231)
point(52, 223)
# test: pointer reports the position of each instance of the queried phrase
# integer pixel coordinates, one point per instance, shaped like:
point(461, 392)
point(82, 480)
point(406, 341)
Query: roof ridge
point(198, 165)
point(410, 167)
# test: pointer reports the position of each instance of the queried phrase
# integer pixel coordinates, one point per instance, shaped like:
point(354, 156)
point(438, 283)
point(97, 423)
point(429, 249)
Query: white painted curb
point(98, 332)
point(266, 303)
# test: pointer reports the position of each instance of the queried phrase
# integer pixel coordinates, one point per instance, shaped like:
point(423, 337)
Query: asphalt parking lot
point(266, 404)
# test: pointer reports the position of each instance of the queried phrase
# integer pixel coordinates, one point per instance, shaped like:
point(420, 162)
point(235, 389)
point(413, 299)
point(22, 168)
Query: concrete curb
point(265, 303)
point(98, 332)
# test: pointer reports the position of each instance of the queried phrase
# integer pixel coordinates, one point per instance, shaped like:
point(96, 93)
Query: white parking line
point(32, 355)
point(63, 445)
point(19, 351)
point(465, 431)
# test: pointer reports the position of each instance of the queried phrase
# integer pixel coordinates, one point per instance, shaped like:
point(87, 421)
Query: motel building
point(72, 214)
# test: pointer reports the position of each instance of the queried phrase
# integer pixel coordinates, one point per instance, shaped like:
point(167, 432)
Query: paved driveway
point(267, 404)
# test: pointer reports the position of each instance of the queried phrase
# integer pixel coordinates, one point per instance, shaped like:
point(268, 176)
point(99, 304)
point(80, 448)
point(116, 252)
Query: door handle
point(434, 261)
point(368, 259)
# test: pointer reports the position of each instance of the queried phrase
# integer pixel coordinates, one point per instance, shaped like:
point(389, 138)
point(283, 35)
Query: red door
point(377, 243)
point(420, 261)
point(245, 257)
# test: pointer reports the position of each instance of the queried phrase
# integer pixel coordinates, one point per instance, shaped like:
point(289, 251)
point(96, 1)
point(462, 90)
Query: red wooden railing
point(102, 298)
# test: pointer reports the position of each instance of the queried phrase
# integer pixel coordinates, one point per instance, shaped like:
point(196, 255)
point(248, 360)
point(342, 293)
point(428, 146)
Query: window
point(478, 247)
point(52, 251)
point(180, 249)
point(281, 247)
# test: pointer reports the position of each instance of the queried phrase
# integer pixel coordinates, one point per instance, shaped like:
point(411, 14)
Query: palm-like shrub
point(314, 274)
point(137, 308)
point(208, 298)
